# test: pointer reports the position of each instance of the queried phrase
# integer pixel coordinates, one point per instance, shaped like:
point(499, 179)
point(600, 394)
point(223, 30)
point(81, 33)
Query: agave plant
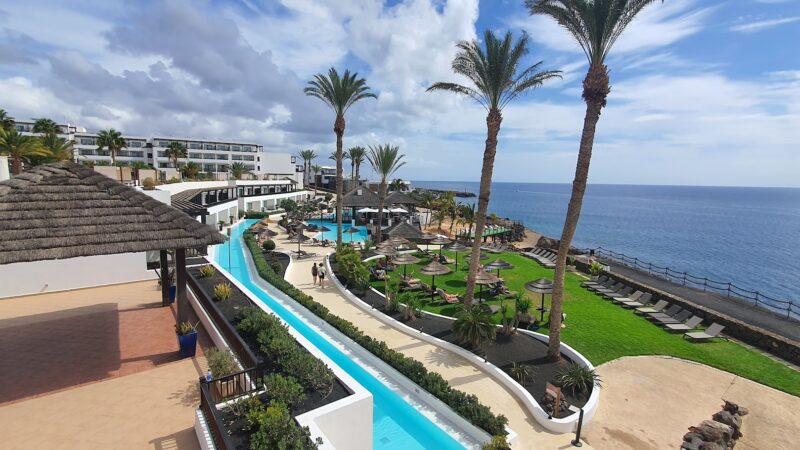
point(523, 372)
point(577, 378)
point(474, 326)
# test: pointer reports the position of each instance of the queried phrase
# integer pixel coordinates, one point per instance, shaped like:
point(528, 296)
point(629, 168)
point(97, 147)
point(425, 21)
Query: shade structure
point(323, 229)
point(434, 268)
point(299, 226)
point(299, 238)
point(350, 231)
point(398, 210)
point(457, 247)
point(482, 257)
point(427, 238)
point(404, 260)
point(386, 250)
point(266, 232)
point(367, 210)
point(499, 264)
point(440, 240)
point(541, 286)
point(266, 221)
point(483, 278)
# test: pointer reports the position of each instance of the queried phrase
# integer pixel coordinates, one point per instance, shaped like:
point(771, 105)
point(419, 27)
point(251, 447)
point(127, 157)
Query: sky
point(704, 92)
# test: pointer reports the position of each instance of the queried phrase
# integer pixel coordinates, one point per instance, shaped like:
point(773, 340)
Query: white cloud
point(760, 25)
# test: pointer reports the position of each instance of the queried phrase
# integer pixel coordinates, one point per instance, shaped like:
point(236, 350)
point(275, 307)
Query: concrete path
point(459, 372)
point(649, 402)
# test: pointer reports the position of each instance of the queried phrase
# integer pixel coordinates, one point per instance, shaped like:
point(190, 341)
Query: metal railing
point(759, 299)
point(214, 419)
point(235, 385)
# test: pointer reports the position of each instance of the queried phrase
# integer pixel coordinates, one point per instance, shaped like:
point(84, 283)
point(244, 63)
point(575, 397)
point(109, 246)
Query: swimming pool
point(360, 236)
point(396, 424)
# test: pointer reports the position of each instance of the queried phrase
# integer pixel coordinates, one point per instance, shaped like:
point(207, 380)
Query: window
point(236, 157)
point(249, 166)
point(162, 154)
point(223, 157)
point(236, 148)
point(163, 164)
point(87, 141)
point(135, 144)
point(196, 155)
point(224, 147)
point(248, 158)
point(209, 167)
point(208, 156)
point(210, 147)
point(85, 151)
point(164, 144)
point(294, 159)
point(195, 146)
point(258, 158)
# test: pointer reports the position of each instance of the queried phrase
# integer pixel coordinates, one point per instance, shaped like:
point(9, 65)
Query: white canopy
point(367, 210)
point(398, 210)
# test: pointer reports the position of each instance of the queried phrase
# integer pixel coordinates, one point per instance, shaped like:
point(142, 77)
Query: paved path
point(646, 406)
point(459, 372)
point(739, 309)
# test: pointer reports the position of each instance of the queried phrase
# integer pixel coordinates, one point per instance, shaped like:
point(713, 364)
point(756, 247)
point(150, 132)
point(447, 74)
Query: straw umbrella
point(540, 286)
point(350, 231)
point(434, 268)
point(482, 257)
point(404, 260)
point(456, 248)
point(427, 238)
point(499, 264)
point(299, 238)
point(442, 241)
point(482, 278)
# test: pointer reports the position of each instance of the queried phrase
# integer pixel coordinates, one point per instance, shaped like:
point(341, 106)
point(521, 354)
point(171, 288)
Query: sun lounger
point(600, 280)
point(609, 290)
point(619, 294)
point(676, 319)
point(447, 298)
point(491, 309)
point(669, 312)
point(629, 298)
point(659, 306)
point(640, 302)
point(711, 332)
point(689, 325)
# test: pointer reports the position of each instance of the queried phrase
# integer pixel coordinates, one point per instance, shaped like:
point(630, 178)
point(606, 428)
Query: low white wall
point(74, 273)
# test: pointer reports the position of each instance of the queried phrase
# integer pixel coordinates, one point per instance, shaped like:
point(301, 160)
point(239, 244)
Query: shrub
point(497, 443)
point(148, 183)
point(284, 389)
point(474, 326)
point(255, 215)
point(288, 205)
point(523, 372)
point(578, 378)
point(221, 362)
point(466, 405)
point(241, 214)
point(596, 269)
point(274, 427)
point(222, 292)
point(353, 269)
point(173, 180)
point(207, 271)
point(276, 267)
point(268, 245)
point(184, 328)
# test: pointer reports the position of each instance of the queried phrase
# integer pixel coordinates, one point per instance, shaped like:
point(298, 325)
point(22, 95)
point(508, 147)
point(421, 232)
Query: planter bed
point(502, 352)
point(231, 310)
point(281, 258)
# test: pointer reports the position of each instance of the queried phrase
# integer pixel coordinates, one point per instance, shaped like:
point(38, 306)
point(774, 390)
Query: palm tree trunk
point(358, 172)
point(493, 121)
point(338, 128)
point(352, 172)
point(381, 201)
point(16, 164)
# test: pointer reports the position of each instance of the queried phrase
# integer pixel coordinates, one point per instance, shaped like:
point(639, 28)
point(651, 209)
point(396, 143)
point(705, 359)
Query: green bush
point(268, 245)
point(497, 443)
point(273, 427)
point(148, 184)
point(255, 215)
point(284, 389)
point(353, 269)
point(276, 267)
point(596, 269)
point(221, 362)
point(577, 378)
point(466, 405)
point(207, 271)
point(288, 205)
point(223, 291)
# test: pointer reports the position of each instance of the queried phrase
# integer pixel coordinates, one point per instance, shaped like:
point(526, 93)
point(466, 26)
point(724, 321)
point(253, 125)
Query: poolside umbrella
point(440, 240)
point(456, 248)
point(499, 264)
point(267, 221)
point(299, 238)
point(404, 260)
point(434, 268)
point(323, 229)
point(483, 277)
point(427, 237)
point(386, 250)
point(482, 257)
point(350, 231)
point(266, 232)
point(540, 286)
point(398, 242)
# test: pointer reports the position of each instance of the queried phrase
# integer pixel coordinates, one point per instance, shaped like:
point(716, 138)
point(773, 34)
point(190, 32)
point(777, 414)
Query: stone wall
point(721, 433)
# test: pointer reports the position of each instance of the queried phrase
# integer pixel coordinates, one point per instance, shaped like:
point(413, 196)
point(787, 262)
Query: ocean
point(749, 236)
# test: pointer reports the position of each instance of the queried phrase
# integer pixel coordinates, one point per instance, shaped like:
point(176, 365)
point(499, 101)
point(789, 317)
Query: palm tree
point(497, 79)
point(397, 185)
point(6, 121)
point(45, 126)
point(339, 93)
point(308, 156)
point(595, 25)
point(473, 325)
point(385, 161)
point(357, 156)
point(20, 148)
point(467, 215)
point(113, 140)
point(60, 149)
point(346, 157)
point(428, 201)
point(175, 150)
point(316, 168)
point(190, 170)
point(237, 169)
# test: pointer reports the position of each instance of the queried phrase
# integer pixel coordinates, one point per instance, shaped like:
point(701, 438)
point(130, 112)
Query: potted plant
point(173, 290)
point(221, 223)
point(187, 338)
point(596, 269)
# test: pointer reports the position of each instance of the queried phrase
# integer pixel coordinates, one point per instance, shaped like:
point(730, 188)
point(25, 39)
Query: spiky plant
point(6, 121)
point(237, 169)
point(595, 25)
point(385, 160)
point(339, 93)
point(473, 326)
point(497, 78)
point(21, 148)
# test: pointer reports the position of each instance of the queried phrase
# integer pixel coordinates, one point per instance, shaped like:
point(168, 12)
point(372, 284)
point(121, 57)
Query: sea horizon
point(413, 184)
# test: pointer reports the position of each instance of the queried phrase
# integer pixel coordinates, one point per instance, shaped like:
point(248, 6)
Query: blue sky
point(703, 92)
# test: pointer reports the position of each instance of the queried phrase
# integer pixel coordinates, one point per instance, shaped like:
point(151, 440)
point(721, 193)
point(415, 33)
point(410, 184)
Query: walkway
point(646, 406)
point(459, 372)
point(739, 309)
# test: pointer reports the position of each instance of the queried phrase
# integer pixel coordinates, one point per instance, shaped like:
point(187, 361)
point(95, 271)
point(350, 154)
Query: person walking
point(314, 273)
point(321, 277)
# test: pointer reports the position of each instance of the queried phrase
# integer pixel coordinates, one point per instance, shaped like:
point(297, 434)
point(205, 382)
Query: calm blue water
point(750, 236)
point(360, 236)
point(396, 425)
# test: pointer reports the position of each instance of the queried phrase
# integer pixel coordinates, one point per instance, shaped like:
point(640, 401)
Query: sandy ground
point(531, 237)
point(649, 402)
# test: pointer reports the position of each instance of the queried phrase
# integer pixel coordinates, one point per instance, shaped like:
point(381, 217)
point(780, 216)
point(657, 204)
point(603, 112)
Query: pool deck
point(459, 372)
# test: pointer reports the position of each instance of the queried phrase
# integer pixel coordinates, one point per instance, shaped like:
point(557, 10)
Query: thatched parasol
point(434, 268)
point(482, 257)
point(350, 231)
point(266, 221)
point(541, 286)
point(386, 251)
point(482, 278)
point(404, 260)
point(456, 248)
point(499, 264)
point(299, 238)
point(439, 240)
point(267, 232)
point(427, 238)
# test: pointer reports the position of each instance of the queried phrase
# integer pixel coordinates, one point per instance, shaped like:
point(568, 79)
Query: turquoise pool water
point(361, 236)
point(396, 424)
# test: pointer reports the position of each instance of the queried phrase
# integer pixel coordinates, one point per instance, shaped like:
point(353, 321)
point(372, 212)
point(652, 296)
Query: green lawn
point(603, 331)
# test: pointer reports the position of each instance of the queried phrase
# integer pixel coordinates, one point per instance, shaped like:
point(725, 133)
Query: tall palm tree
point(397, 185)
point(60, 149)
point(497, 79)
point(357, 157)
point(595, 25)
point(113, 141)
point(6, 121)
point(316, 168)
point(308, 156)
point(427, 200)
point(237, 169)
point(385, 160)
point(190, 170)
point(45, 126)
point(346, 157)
point(20, 148)
point(176, 150)
point(339, 93)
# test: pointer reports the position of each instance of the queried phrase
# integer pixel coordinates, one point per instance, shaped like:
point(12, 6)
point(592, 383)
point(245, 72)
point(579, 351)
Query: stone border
point(564, 425)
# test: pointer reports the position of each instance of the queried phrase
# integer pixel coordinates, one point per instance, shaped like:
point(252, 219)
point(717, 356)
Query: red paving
point(57, 352)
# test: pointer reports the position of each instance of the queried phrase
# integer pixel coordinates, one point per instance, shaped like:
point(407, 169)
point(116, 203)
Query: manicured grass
point(603, 331)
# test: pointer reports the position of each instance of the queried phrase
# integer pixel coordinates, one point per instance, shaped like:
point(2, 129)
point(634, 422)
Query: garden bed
point(232, 310)
point(502, 352)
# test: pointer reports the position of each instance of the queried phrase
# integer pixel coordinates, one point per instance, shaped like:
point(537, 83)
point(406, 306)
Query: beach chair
point(411, 284)
point(629, 298)
point(658, 307)
point(711, 332)
point(600, 280)
point(447, 298)
point(676, 319)
point(669, 312)
point(619, 294)
point(689, 325)
point(642, 301)
point(607, 284)
point(610, 290)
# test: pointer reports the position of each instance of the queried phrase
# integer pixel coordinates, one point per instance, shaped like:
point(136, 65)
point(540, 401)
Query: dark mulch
point(281, 258)
point(505, 350)
point(230, 310)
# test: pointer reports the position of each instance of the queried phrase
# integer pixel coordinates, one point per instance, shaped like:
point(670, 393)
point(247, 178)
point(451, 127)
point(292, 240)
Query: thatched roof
point(65, 210)
point(360, 197)
point(404, 230)
point(400, 198)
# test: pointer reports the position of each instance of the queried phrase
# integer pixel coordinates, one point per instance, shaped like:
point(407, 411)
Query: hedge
point(466, 405)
